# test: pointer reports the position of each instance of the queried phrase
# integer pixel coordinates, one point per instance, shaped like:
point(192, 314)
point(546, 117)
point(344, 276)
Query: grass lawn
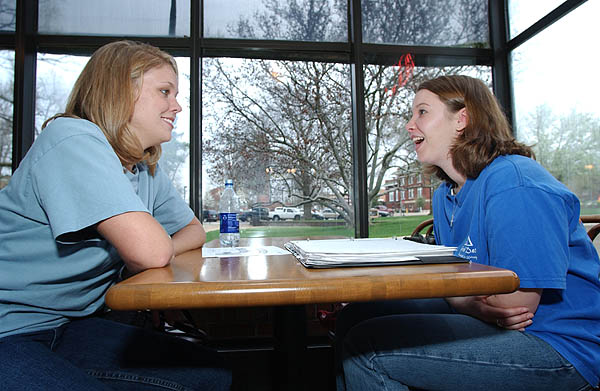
point(380, 227)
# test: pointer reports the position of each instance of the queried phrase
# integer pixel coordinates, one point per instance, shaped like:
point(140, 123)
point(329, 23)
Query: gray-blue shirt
point(53, 264)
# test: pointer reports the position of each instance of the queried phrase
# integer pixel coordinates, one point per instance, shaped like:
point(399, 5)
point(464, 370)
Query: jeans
point(425, 345)
point(99, 354)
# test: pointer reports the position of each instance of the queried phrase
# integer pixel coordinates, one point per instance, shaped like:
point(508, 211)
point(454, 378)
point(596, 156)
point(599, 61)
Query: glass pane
point(301, 20)
point(399, 193)
point(56, 75)
point(524, 13)
point(8, 13)
point(115, 17)
point(7, 71)
point(556, 106)
point(428, 22)
point(282, 131)
point(175, 158)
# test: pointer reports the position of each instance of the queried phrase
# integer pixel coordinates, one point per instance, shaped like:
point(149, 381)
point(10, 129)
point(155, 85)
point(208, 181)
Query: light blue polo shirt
point(517, 216)
point(52, 265)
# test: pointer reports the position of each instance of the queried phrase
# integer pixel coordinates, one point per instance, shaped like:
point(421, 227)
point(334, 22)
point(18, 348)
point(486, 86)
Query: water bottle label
point(229, 223)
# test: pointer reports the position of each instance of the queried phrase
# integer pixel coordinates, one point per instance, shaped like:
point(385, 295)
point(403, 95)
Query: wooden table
point(191, 281)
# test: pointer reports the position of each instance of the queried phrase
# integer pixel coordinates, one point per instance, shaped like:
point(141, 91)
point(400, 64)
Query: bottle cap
point(229, 182)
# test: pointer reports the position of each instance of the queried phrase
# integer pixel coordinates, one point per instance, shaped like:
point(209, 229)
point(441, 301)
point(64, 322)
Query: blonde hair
point(106, 91)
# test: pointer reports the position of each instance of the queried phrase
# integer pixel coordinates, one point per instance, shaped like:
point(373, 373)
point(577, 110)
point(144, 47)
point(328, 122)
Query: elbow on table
point(148, 257)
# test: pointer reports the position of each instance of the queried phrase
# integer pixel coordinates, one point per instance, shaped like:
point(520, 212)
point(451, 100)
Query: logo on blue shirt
point(467, 250)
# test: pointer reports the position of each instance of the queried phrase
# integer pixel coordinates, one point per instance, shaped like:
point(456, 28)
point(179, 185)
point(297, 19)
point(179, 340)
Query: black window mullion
point(197, 34)
point(502, 82)
point(359, 134)
point(24, 82)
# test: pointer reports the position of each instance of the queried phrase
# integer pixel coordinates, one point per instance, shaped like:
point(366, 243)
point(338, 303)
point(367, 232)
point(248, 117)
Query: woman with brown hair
point(89, 200)
point(501, 208)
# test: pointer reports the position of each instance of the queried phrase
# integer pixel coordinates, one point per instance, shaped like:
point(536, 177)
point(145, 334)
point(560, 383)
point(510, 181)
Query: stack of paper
point(368, 252)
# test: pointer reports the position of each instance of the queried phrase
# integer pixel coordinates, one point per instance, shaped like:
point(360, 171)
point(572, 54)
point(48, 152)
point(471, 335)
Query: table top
point(191, 281)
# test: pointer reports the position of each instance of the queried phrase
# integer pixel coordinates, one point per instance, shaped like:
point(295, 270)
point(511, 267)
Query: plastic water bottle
point(229, 208)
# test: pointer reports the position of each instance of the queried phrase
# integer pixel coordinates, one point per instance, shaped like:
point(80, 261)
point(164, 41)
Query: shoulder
point(519, 172)
point(63, 128)
point(64, 134)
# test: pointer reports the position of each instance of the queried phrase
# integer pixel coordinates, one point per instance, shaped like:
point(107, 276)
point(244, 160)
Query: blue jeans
point(425, 345)
point(98, 354)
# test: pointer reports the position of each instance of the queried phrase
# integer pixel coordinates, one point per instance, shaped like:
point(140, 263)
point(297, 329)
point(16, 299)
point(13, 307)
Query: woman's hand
point(512, 311)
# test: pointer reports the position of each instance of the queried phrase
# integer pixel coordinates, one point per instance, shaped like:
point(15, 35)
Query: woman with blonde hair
point(88, 201)
point(501, 208)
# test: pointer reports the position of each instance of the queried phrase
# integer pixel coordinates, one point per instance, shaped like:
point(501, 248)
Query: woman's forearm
point(190, 237)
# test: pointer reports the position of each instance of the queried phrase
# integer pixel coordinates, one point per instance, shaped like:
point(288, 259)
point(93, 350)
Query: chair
point(595, 229)
point(428, 237)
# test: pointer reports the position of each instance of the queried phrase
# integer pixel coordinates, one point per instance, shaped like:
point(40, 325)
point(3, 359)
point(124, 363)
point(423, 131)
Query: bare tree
point(568, 146)
point(273, 115)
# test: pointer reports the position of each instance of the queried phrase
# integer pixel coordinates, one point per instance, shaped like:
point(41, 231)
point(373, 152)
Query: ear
point(462, 119)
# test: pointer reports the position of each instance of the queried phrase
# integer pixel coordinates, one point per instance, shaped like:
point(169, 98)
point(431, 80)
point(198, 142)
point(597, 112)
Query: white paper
point(219, 252)
point(379, 246)
point(331, 252)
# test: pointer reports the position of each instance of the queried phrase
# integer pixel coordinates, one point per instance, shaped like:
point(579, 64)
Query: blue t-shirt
point(517, 216)
point(53, 266)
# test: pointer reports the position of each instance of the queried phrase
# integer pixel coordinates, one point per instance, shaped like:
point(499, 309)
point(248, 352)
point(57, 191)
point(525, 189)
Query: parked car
point(375, 212)
point(245, 215)
point(384, 211)
point(286, 213)
point(260, 213)
point(210, 215)
point(329, 213)
point(316, 215)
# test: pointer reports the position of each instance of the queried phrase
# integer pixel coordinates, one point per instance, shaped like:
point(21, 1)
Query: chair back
point(428, 237)
point(594, 229)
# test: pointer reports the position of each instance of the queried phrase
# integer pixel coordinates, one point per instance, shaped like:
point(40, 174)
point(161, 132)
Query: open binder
point(331, 253)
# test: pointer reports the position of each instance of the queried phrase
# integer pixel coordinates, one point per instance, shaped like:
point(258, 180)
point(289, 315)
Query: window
point(279, 130)
point(7, 61)
point(8, 14)
point(555, 104)
point(430, 23)
point(252, 43)
point(56, 75)
point(524, 13)
point(115, 17)
point(315, 21)
point(411, 194)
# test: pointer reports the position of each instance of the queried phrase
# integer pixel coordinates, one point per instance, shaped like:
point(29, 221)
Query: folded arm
point(140, 240)
point(512, 311)
point(190, 237)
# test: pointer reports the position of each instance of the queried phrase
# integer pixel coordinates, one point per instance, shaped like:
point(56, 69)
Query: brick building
point(408, 192)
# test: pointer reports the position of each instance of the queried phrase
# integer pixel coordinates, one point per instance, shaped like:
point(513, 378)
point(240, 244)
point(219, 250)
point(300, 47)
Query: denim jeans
point(99, 354)
point(425, 345)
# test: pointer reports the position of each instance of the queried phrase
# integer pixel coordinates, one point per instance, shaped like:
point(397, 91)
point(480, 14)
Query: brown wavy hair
point(487, 134)
point(106, 91)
